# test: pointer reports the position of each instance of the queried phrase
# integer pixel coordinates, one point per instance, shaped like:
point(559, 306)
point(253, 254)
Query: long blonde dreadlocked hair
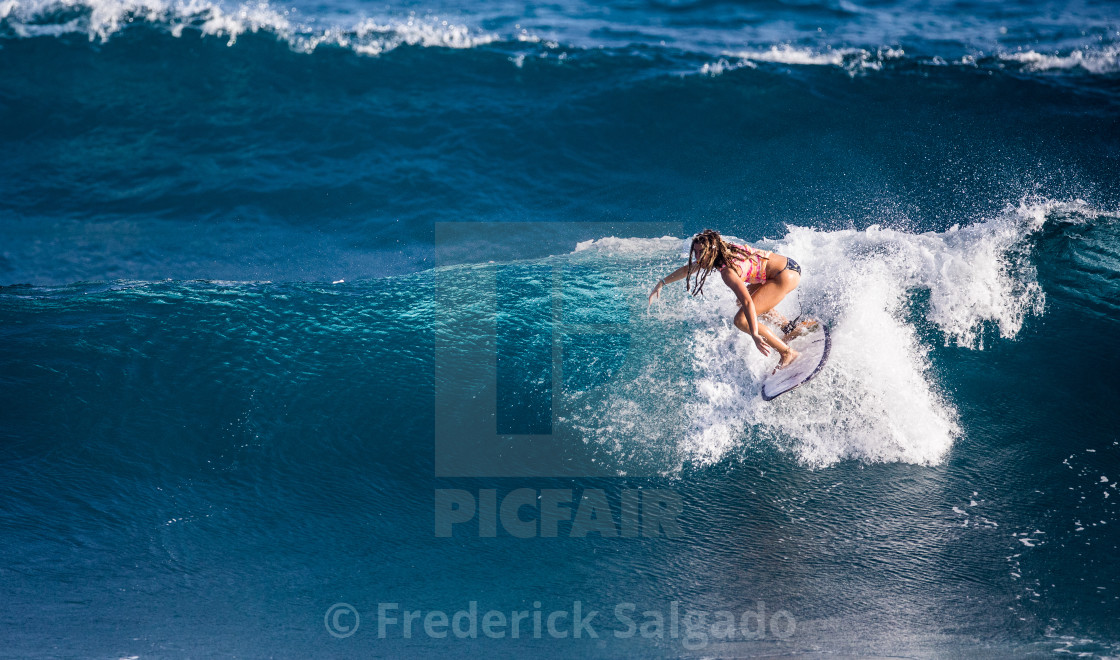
point(714, 253)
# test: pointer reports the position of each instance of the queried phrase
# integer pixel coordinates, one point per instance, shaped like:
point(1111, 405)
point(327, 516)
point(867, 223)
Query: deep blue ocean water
point(273, 277)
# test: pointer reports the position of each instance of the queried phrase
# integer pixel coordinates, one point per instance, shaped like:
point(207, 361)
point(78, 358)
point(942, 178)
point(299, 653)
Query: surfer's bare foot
point(787, 359)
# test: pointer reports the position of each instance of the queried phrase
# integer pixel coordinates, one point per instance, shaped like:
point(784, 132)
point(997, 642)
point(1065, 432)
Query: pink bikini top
point(753, 266)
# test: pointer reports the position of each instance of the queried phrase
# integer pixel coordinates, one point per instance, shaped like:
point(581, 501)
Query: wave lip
point(101, 20)
point(788, 54)
point(851, 59)
point(1103, 61)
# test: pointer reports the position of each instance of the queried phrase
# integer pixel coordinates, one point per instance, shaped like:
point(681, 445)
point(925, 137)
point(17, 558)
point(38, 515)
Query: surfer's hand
point(763, 347)
point(656, 293)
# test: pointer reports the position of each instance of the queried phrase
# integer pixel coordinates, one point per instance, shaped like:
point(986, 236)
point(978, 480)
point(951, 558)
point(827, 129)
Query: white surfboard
point(813, 346)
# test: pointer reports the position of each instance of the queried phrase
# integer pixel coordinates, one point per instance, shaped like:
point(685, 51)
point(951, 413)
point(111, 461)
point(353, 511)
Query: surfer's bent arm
point(739, 287)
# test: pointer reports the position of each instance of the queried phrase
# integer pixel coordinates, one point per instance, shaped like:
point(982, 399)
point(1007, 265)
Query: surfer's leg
point(774, 316)
point(787, 353)
point(766, 297)
point(771, 292)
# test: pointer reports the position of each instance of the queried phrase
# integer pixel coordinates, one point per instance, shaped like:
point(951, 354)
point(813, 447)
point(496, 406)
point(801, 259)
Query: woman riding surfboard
point(759, 279)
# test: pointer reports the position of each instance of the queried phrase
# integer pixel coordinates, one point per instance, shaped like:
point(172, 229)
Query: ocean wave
point(684, 391)
point(101, 20)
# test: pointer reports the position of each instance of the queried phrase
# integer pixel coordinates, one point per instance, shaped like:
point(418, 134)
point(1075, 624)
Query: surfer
point(759, 279)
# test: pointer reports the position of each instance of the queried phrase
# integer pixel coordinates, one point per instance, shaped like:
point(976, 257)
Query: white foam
point(102, 19)
point(1105, 60)
point(722, 65)
point(631, 246)
point(372, 37)
point(848, 58)
point(880, 290)
point(1102, 60)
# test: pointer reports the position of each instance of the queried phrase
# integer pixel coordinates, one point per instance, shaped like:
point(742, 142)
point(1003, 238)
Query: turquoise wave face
point(565, 344)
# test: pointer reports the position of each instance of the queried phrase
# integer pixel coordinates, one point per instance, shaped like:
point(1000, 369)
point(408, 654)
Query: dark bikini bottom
point(795, 267)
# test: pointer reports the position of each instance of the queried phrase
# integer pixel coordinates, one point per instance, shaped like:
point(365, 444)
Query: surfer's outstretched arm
point(678, 274)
